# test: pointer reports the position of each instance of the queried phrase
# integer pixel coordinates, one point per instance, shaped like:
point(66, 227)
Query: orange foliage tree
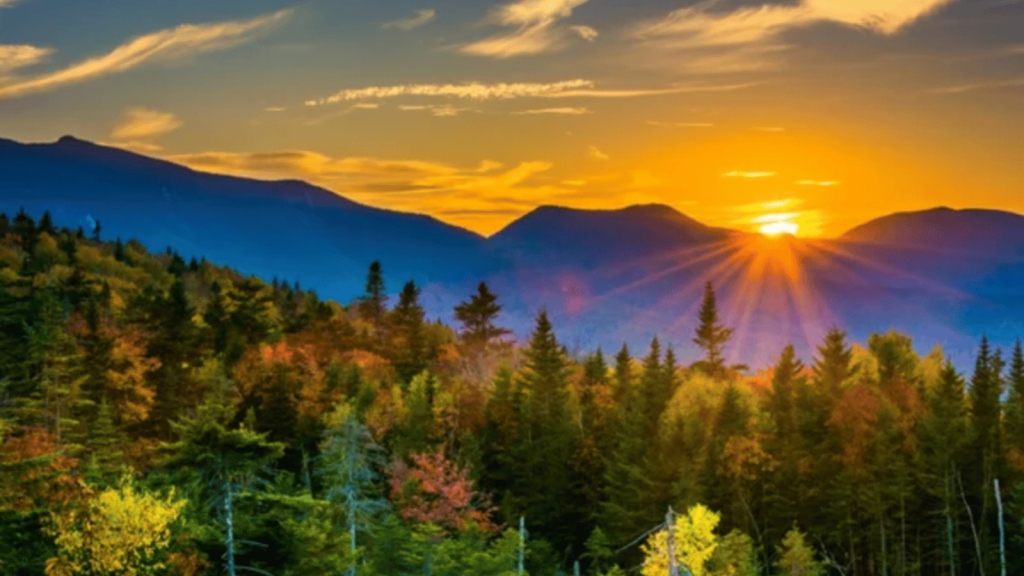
point(437, 491)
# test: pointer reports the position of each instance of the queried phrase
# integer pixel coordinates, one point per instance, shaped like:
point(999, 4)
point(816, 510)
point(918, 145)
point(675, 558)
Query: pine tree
point(834, 363)
point(46, 224)
point(408, 321)
point(477, 318)
point(546, 482)
point(105, 440)
point(5, 224)
point(797, 558)
point(373, 304)
point(1014, 410)
point(712, 336)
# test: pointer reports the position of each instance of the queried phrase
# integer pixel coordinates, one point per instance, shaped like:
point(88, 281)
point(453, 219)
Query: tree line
point(159, 416)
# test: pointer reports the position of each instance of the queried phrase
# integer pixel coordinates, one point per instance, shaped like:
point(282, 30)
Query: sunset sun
point(779, 228)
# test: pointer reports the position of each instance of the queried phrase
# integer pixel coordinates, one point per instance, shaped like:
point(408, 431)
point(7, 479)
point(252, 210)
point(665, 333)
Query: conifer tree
point(548, 443)
point(373, 304)
point(227, 458)
point(798, 558)
point(409, 326)
point(834, 363)
point(477, 318)
point(1014, 410)
point(712, 336)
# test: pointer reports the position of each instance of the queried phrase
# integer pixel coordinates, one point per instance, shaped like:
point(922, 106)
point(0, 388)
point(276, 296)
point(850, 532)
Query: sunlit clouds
point(742, 174)
point(749, 38)
point(564, 111)
point(597, 154)
point(14, 57)
point(144, 123)
point(506, 91)
point(421, 18)
point(824, 184)
point(176, 43)
point(537, 29)
point(991, 85)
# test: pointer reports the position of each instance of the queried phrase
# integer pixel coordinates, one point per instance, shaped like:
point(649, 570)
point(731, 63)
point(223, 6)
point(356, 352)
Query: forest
point(159, 416)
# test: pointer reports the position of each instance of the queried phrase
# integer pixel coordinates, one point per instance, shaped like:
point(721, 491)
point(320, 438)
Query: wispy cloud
point(138, 123)
point(537, 30)
point(742, 174)
point(597, 154)
point(421, 18)
point(16, 57)
point(743, 39)
point(825, 184)
point(506, 91)
point(769, 128)
point(275, 109)
point(6, 3)
point(304, 164)
point(443, 111)
point(566, 111)
point(991, 85)
point(585, 32)
point(175, 43)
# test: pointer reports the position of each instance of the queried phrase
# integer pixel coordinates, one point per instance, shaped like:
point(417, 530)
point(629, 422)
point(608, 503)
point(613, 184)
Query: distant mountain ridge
point(606, 276)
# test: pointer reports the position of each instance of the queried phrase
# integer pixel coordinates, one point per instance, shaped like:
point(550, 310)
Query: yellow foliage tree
point(695, 543)
point(118, 532)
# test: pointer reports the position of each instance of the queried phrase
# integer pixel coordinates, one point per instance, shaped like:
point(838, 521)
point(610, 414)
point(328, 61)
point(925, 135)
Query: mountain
point(605, 276)
point(287, 228)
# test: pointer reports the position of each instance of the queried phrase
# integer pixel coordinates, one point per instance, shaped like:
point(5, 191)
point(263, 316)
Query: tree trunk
point(230, 538)
point(1002, 532)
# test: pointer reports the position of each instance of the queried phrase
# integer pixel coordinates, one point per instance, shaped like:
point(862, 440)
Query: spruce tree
point(1014, 410)
point(477, 318)
point(373, 304)
point(408, 322)
point(712, 336)
point(834, 363)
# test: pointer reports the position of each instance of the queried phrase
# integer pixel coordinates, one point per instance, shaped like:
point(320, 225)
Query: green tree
point(229, 459)
point(373, 304)
point(477, 318)
point(408, 322)
point(712, 336)
point(348, 467)
point(797, 557)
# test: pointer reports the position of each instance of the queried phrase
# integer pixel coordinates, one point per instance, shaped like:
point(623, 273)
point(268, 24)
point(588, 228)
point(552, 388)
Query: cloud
point(740, 39)
point(16, 57)
point(489, 166)
point(742, 174)
point(444, 111)
point(769, 128)
point(6, 3)
point(762, 207)
point(506, 91)
point(144, 123)
point(567, 111)
point(816, 183)
point(183, 41)
point(681, 124)
point(585, 32)
point(697, 27)
point(992, 85)
point(537, 29)
point(421, 18)
point(275, 109)
point(303, 164)
point(597, 154)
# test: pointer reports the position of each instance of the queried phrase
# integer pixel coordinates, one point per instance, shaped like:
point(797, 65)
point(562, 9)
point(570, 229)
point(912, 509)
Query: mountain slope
point(286, 228)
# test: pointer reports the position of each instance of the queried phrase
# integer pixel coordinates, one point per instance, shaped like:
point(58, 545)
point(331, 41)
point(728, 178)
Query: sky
point(819, 114)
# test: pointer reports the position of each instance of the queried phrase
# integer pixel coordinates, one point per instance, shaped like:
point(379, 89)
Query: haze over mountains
point(606, 276)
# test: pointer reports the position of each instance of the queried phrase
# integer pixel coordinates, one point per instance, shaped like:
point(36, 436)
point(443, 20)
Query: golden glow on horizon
point(779, 228)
